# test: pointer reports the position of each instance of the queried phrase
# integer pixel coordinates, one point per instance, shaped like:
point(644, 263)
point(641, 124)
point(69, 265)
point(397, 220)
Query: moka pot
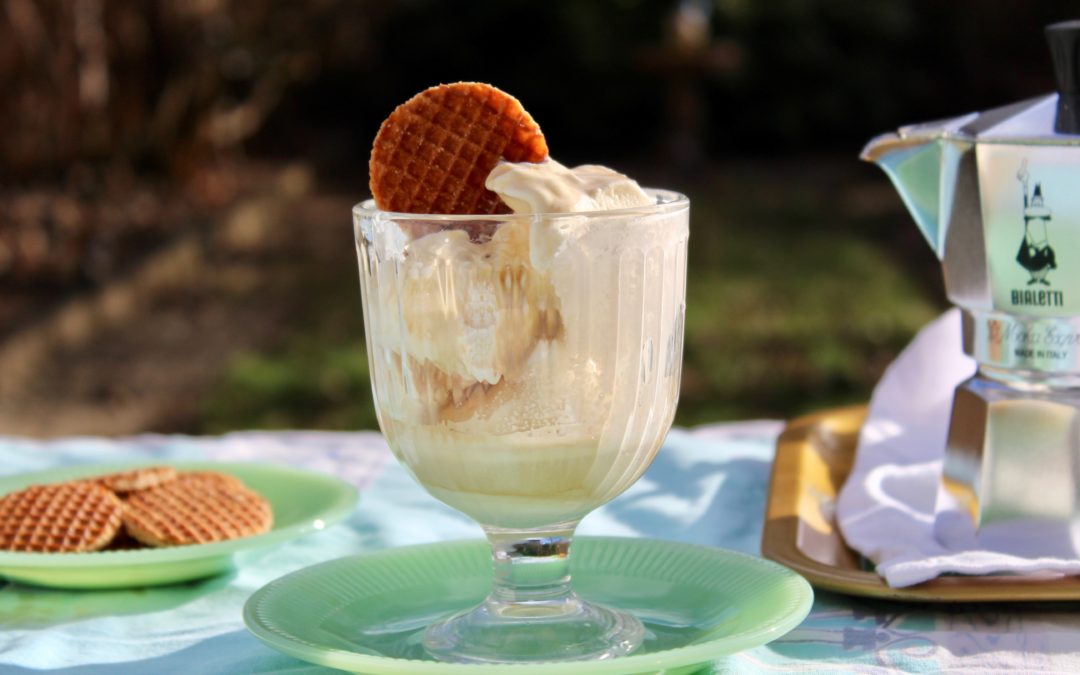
point(997, 196)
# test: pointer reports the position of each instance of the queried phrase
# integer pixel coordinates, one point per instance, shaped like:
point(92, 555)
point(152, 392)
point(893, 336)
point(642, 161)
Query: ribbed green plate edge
point(757, 601)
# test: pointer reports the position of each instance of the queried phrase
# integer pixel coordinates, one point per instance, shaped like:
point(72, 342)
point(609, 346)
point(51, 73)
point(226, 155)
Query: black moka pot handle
point(1064, 39)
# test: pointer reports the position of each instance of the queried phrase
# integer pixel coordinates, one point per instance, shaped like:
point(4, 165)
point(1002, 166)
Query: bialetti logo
point(1035, 254)
point(1038, 298)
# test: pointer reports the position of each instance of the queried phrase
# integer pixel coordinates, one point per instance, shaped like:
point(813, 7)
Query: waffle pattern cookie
point(434, 152)
point(137, 479)
point(223, 479)
point(195, 511)
point(61, 518)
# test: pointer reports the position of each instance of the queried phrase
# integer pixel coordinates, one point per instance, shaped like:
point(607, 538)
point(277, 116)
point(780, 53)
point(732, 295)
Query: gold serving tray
point(813, 458)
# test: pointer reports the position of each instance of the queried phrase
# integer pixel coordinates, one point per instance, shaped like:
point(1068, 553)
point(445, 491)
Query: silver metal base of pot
point(1013, 453)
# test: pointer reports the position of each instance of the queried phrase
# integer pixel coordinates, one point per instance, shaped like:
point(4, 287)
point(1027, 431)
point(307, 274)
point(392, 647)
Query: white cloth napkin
point(891, 509)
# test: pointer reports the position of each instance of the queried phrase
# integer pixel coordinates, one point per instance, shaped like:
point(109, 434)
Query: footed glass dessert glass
point(525, 370)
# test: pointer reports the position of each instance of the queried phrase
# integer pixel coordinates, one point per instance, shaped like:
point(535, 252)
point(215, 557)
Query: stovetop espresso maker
point(997, 196)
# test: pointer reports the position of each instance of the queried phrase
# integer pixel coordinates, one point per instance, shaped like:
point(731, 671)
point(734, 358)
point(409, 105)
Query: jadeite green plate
point(302, 502)
point(366, 613)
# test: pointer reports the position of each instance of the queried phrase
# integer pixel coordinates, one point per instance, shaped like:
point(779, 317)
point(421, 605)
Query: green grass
point(303, 384)
point(790, 322)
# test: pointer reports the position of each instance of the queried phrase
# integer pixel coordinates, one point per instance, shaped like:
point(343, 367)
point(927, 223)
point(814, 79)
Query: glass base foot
point(530, 632)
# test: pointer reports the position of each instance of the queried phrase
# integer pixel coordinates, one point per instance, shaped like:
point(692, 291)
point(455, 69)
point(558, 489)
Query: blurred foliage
point(133, 125)
point(305, 384)
point(129, 113)
point(174, 85)
point(791, 307)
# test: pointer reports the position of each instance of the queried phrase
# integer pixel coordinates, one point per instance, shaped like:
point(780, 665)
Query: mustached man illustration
point(1035, 255)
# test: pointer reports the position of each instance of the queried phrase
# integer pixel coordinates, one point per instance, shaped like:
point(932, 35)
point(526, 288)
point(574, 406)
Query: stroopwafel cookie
point(137, 479)
point(223, 479)
point(60, 518)
point(195, 511)
point(434, 152)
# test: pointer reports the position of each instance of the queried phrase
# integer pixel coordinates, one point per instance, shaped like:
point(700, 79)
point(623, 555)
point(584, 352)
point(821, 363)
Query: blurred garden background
point(176, 176)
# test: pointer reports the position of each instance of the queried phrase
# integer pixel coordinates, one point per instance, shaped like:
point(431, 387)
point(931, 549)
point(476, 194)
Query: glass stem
point(532, 567)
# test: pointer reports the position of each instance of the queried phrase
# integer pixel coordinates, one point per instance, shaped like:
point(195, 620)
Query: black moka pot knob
point(1064, 39)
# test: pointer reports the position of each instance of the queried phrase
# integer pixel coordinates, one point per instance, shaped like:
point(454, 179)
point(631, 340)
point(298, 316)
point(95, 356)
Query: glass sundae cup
point(525, 370)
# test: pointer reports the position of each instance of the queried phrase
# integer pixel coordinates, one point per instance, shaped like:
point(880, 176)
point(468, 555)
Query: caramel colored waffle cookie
point(434, 152)
point(60, 518)
point(222, 479)
point(137, 479)
point(195, 511)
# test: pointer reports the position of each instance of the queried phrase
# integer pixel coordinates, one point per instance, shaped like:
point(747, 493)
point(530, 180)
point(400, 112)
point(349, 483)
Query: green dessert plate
point(302, 502)
point(366, 613)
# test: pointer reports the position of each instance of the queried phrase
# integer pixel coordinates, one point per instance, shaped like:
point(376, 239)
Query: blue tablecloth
point(707, 486)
